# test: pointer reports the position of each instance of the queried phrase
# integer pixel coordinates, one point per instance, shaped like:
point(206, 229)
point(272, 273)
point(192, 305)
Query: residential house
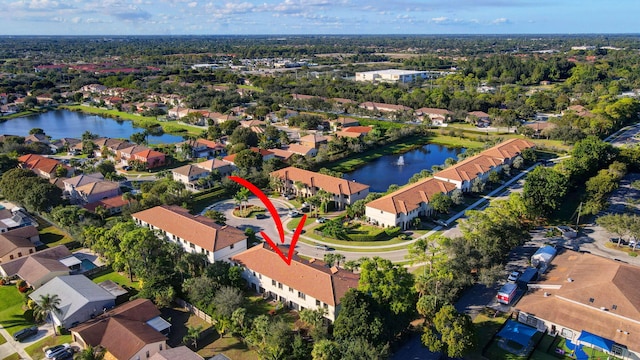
point(435, 115)
point(132, 331)
point(392, 75)
point(189, 175)
point(302, 150)
point(63, 144)
point(127, 153)
point(151, 158)
point(95, 191)
point(266, 155)
point(195, 233)
point(201, 148)
point(314, 140)
point(479, 118)
point(579, 110)
point(14, 219)
point(222, 167)
point(356, 132)
point(18, 242)
point(80, 299)
point(301, 285)
point(42, 166)
point(177, 353)
point(113, 205)
point(343, 192)
point(405, 204)
point(584, 294)
point(34, 138)
point(71, 184)
point(381, 107)
point(38, 268)
point(282, 154)
point(343, 122)
point(479, 166)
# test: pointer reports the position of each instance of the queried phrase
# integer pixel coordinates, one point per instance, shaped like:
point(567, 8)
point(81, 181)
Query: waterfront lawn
point(12, 316)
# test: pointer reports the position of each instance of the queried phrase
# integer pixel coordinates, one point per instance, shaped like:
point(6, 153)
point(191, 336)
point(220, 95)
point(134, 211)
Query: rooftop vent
point(569, 279)
point(546, 294)
point(591, 300)
point(603, 308)
point(614, 307)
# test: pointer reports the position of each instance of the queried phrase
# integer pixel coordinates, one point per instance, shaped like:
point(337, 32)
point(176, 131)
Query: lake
point(64, 123)
point(397, 169)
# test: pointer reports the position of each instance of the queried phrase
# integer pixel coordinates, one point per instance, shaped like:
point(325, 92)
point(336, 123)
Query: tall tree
point(544, 190)
point(47, 306)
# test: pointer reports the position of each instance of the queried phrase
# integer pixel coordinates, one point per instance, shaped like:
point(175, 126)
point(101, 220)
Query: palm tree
point(241, 197)
point(46, 307)
point(193, 333)
point(91, 353)
point(325, 197)
point(338, 259)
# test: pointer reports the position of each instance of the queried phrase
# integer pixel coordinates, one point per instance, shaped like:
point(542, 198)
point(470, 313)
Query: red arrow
point(276, 218)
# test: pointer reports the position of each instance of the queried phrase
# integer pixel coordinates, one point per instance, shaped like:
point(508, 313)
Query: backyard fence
point(194, 310)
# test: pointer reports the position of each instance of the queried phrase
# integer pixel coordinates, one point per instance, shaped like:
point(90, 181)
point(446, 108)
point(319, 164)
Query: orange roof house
point(41, 165)
point(303, 284)
point(152, 158)
point(194, 233)
point(344, 192)
point(402, 205)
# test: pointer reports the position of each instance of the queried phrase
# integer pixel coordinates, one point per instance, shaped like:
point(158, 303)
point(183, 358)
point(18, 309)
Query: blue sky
point(256, 17)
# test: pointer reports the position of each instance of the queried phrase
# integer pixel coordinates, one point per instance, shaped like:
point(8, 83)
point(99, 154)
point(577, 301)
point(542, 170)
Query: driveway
point(12, 346)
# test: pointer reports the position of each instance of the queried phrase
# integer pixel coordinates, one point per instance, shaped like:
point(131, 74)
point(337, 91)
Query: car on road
point(56, 351)
point(322, 247)
point(513, 276)
point(294, 213)
point(261, 216)
point(288, 197)
point(441, 223)
point(321, 220)
point(23, 334)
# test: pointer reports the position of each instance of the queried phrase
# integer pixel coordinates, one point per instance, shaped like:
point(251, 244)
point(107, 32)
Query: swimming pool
point(86, 265)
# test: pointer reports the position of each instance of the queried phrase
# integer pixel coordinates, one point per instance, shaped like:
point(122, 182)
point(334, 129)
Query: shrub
point(392, 231)
point(633, 254)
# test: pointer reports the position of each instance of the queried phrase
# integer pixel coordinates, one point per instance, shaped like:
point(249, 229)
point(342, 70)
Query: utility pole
point(578, 218)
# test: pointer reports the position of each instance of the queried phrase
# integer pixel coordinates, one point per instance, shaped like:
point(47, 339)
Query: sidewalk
point(11, 346)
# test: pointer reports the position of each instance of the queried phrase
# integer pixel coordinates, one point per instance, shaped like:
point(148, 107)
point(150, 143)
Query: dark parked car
point(25, 333)
point(261, 216)
point(67, 354)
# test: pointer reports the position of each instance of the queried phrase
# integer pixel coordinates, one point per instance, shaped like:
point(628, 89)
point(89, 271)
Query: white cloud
point(499, 21)
point(439, 20)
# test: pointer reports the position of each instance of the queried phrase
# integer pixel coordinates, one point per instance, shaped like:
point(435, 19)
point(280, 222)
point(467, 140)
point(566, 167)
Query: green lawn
point(293, 224)
point(14, 356)
point(2, 340)
point(230, 346)
point(53, 236)
point(486, 326)
point(118, 278)
point(12, 316)
point(35, 350)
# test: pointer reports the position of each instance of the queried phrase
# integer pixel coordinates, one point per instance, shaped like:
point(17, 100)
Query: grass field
point(53, 236)
point(486, 326)
point(2, 340)
point(14, 356)
point(12, 316)
point(117, 278)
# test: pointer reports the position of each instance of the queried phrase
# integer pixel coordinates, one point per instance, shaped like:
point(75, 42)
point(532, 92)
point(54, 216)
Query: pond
point(397, 169)
point(64, 123)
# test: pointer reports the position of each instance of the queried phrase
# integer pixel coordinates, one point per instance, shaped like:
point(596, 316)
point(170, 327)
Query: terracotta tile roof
point(299, 149)
point(35, 266)
point(314, 279)
point(384, 107)
point(189, 170)
point(39, 162)
point(597, 283)
point(314, 138)
point(343, 121)
point(98, 187)
point(196, 229)
point(352, 135)
point(469, 168)
point(479, 114)
point(411, 196)
point(328, 183)
point(358, 129)
point(281, 153)
point(509, 149)
point(123, 331)
point(212, 164)
point(149, 154)
point(108, 203)
point(436, 111)
point(208, 143)
point(133, 149)
point(230, 158)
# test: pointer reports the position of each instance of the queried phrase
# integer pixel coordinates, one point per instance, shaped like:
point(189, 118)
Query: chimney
point(334, 270)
